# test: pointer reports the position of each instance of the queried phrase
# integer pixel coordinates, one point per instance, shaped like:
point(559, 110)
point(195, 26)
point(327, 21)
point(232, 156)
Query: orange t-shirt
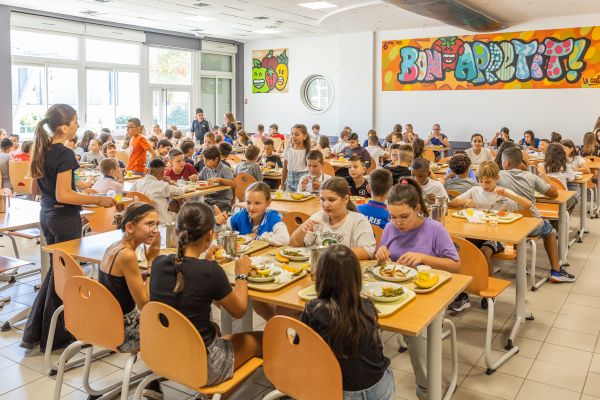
point(137, 158)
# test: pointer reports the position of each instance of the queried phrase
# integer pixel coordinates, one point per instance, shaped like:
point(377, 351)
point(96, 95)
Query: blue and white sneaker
point(561, 276)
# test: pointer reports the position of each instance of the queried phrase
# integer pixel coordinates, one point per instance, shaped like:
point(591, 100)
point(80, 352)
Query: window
point(170, 66)
point(215, 62)
point(215, 98)
point(42, 44)
point(128, 99)
point(112, 52)
point(317, 93)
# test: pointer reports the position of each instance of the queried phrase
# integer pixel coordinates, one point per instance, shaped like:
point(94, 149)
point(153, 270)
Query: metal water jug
point(171, 235)
point(230, 243)
point(438, 213)
point(4, 202)
point(442, 201)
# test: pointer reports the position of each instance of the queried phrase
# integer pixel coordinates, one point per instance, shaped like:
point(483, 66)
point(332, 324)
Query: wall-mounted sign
point(270, 71)
point(548, 59)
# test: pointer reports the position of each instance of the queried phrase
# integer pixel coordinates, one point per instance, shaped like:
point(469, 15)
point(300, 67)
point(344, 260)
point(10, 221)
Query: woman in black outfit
point(53, 167)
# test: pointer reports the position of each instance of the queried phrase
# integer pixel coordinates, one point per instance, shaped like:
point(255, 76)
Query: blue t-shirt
point(376, 212)
point(242, 222)
point(200, 128)
point(536, 143)
point(437, 142)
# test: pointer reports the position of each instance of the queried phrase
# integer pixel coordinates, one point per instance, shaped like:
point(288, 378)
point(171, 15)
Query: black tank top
point(117, 285)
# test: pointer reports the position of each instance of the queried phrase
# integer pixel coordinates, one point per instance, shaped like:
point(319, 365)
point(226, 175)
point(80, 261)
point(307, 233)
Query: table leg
point(521, 293)
point(563, 233)
point(582, 211)
point(434, 358)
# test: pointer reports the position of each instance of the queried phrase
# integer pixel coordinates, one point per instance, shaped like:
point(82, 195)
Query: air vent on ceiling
point(90, 12)
point(102, 1)
point(261, 18)
point(201, 5)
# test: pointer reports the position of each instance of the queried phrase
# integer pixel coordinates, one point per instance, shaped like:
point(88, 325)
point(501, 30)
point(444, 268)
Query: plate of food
point(244, 239)
point(295, 254)
point(262, 273)
point(384, 292)
point(394, 273)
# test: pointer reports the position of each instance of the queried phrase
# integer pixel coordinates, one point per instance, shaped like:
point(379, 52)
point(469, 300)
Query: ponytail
point(181, 243)
point(409, 192)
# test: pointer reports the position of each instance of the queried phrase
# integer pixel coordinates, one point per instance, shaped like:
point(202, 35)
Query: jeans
point(382, 390)
point(543, 230)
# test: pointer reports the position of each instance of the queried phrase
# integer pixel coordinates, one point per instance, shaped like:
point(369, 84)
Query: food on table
point(202, 183)
point(294, 270)
point(392, 272)
point(278, 195)
point(358, 199)
point(297, 196)
point(261, 271)
point(469, 212)
point(502, 213)
point(281, 258)
point(292, 253)
point(392, 291)
point(429, 283)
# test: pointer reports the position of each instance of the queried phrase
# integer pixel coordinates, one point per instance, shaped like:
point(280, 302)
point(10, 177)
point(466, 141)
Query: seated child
point(370, 133)
point(215, 171)
point(187, 147)
point(401, 157)
point(93, 155)
point(269, 158)
point(544, 145)
point(163, 148)
point(380, 183)
point(359, 186)
point(110, 174)
point(556, 165)
point(314, 179)
point(477, 153)
point(72, 144)
point(225, 149)
point(250, 166)
point(354, 149)
point(342, 142)
point(178, 168)
point(460, 166)
point(157, 190)
point(323, 146)
point(430, 187)
point(375, 150)
point(109, 150)
point(25, 153)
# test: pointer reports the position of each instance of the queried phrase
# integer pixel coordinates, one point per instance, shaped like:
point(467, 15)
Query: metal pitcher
point(438, 213)
point(442, 201)
point(230, 243)
point(171, 235)
point(315, 253)
point(4, 202)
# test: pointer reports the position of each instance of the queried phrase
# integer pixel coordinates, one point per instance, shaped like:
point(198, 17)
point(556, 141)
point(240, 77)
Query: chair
point(95, 318)
point(473, 263)
point(276, 143)
point(372, 166)
point(453, 193)
point(8, 273)
point(556, 183)
point(591, 188)
point(328, 169)
point(123, 156)
point(377, 231)
point(184, 360)
point(293, 220)
point(101, 220)
point(241, 182)
point(291, 361)
point(137, 196)
point(20, 177)
point(428, 154)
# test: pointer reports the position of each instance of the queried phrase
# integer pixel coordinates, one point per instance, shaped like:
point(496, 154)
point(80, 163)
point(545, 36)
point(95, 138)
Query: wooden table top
point(309, 206)
point(202, 192)
point(585, 178)
point(21, 214)
point(506, 233)
point(88, 248)
point(563, 197)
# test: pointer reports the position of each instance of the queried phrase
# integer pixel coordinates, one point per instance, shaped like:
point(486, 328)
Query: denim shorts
point(543, 230)
point(382, 390)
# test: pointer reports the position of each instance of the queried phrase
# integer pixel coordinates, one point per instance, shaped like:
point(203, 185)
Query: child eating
point(314, 179)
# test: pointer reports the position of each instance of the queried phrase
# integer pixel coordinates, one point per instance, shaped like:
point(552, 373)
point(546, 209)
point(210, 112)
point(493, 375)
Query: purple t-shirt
point(430, 238)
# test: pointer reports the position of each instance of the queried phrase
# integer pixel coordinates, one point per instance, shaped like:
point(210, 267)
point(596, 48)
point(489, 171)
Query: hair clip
point(404, 182)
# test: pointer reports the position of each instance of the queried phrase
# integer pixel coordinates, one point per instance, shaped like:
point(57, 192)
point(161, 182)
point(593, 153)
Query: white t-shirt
point(565, 176)
point(376, 152)
point(490, 200)
point(434, 187)
point(339, 146)
point(354, 232)
point(296, 159)
point(577, 162)
point(484, 155)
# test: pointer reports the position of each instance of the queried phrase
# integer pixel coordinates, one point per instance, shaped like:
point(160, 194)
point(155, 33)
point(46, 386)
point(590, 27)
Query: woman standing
point(53, 167)
point(230, 125)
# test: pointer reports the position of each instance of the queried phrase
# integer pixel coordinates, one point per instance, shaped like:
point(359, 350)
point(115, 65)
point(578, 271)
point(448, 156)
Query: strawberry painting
point(271, 67)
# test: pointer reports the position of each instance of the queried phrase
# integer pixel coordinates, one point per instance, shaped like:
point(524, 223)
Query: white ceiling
point(238, 19)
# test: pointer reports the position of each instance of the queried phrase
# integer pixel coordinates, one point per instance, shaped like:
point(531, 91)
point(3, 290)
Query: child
point(503, 135)
point(418, 146)
point(323, 146)
point(177, 137)
point(226, 138)
point(105, 137)
point(256, 219)
point(250, 166)
point(15, 139)
point(577, 163)
point(242, 139)
point(477, 153)
point(191, 284)
point(556, 165)
point(25, 153)
point(259, 136)
point(409, 135)
point(294, 158)
point(110, 151)
point(94, 155)
point(348, 323)
point(431, 188)
point(269, 158)
point(187, 148)
point(314, 179)
point(274, 132)
point(590, 146)
point(413, 239)
point(401, 160)
point(354, 149)
point(159, 191)
point(460, 165)
point(544, 145)
point(85, 140)
point(139, 146)
point(5, 148)
point(370, 133)
point(169, 135)
point(555, 137)
point(225, 150)
point(375, 150)
point(215, 171)
point(153, 140)
point(380, 183)
point(71, 143)
point(342, 143)
point(359, 186)
point(525, 184)
point(110, 174)
point(163, 148)
point(529, 141)
point(336, 223)
point(178, 168)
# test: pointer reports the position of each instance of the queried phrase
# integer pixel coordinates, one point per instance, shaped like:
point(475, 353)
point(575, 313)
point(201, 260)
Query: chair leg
point(453, 345)
point(127, 375)
point(50, 341)
point(142, 386)
point(275, 394)
point(70, 351)
point(535, 285)
point(493, 365)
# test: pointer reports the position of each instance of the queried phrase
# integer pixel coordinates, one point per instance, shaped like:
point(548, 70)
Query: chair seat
point(508, 253)
point(9, 263)
point(32, 233)
point(238, 377)
point(495, 287)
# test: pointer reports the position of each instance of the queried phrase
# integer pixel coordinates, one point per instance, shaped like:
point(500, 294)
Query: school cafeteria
point(326, 200)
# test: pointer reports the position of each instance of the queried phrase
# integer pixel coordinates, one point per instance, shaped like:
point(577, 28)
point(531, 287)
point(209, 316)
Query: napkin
point(477, 217)
point(283, 277)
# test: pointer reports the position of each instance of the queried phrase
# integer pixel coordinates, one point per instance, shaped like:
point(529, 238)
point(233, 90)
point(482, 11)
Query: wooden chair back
point(64, 268)
point(92, 314)
point(328, 169)
point(372, 166)
point(137, 196)
point(123, 156)
point(276, 143)
point(556, 183)
point(453, 193)
point(234, 159)
point(101, 220)
point(428, 154)
point(260, 144)
point(290, 361)
point(472, 263)
point(293, 220)
point(20, 176)
point(590, 159)
point(377, 231)
point(242, 181)
point(444, 160)
point(171, 346)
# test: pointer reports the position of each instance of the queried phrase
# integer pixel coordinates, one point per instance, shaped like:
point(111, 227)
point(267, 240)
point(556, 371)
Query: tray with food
point(500, 216)
point(358, 200)
point(294, 253)
point(435, 279)
point(243, 247)
point(394, 272)
point(267, 274)
point(292, 196)
point(437, 167)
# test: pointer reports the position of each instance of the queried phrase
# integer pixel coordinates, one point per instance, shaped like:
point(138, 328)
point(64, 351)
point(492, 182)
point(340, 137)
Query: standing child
point(477, 153)
point(215, 171)
point(294, 158)
point(359, 186)
point(5, 158)
point(250, 166)
point(110, 174)
point(431, 188)
point(380, 183)
point(139, 146)
point(178, 168)
point(94, 155)
point(314, 179)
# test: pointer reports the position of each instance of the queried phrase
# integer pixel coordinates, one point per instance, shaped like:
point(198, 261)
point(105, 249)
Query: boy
point(250, 166)
point(139, 146)
point(163, 148)
point(525, 184)
point(215, 171)
point(269, 158)
point(200, 127)
point(25, 153)
point(380, 183)
point(260, 134)
point(178, 168)
point(225, 150)
point(109, 150)
point(110, 174)
point(274, 132)
point(359, 186)
point(431, 188)
point(5, 147)
point(209, 140)
point(460, 165)
point(93, 156)
point(159, 191)
point(342, 143)
point(15, 139)
point(401, 159)
point(315, 178)
point(187, 148)
point(375, 150)
point(72, 144)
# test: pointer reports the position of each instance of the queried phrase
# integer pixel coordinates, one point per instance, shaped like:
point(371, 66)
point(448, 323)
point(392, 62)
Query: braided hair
point(194, 221)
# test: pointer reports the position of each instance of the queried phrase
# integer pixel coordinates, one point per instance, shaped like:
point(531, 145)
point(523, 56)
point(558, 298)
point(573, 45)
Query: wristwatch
point(241, 277)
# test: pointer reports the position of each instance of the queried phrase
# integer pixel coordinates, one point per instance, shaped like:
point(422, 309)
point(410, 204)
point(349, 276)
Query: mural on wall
point(270, 71)
point(548, 59)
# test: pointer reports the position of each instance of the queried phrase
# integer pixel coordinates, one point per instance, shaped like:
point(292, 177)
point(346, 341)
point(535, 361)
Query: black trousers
point(58, 225)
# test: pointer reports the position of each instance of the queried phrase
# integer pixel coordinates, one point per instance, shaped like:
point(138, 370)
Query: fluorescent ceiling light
point(199, 18)
point(267, 31)
point(317, 5)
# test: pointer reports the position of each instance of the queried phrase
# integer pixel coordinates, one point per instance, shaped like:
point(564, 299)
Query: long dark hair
point(194, 221)
point(505, 145)
point(589, 144)
point(85, 140)
point(56, 116)
point(418, 146)
point(574, 150)
point(556, 159)
point(408, 191)
point(304, 131)
point(340, 186)
point(338, 283)
point(531, 137)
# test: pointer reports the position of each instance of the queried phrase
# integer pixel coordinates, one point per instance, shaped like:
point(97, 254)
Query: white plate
point(274, 272)
point(578, 173)
point(410, 273)
point(373, 291)
point(244, 239)
point(304, 252)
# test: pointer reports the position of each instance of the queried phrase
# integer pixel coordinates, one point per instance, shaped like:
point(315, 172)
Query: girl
point(529, 141)
point(230, 125)
point(555, 137)
point(477, 153)
point(85, 140)
point(502, 136)
point(242, 139)
point(156, 131)
point(294, 158)
point(191, 285)
point(590, 147)
point(256, 219)
point(556, 165)
point(177, 138)
point(348, 323)
point(409, 136)
point(342, 143)
point(337, 222)
point(323, 146)
point(53, 167)
point(94, 155)
point(418, 146)
point(576, 162)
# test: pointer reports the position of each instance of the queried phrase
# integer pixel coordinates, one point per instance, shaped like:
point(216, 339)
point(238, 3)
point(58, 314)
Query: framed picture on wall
point(270, 71)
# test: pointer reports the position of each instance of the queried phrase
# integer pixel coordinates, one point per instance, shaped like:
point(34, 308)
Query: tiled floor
point(559, 355)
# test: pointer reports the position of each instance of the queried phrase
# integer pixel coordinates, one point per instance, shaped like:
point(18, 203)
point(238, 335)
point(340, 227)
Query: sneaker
point(460, 303)
point(153, 391)
point(562, 276)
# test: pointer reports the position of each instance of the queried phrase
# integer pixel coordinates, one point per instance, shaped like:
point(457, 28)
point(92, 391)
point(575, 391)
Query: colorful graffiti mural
point(560, 58)
point(270, 71)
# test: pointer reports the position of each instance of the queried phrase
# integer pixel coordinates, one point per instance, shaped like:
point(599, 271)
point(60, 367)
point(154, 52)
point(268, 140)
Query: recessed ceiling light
point(269, 31)
point(199, 18)
point(317, 5)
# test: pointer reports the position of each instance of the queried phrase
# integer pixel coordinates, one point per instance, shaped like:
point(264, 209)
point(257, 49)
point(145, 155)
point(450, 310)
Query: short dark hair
point(211, 153)
point(274, 126)
point(252, 152)
point(315, 155)
point(374, 140)
point(157, 163)
point(513, 156)
point(316, 126)
point(459, 164)
point(555, 137)
point(169, 133)
point(380, 181)
point(225, 149)
point(186, 145)
point(269, 142)
point(26, 146)
point(357, 158)
point(420, 163)
point(199, 110)
point(5, 144)
point(174, 153)
point(260, 127)
point(164, 143)
point(353, 136)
